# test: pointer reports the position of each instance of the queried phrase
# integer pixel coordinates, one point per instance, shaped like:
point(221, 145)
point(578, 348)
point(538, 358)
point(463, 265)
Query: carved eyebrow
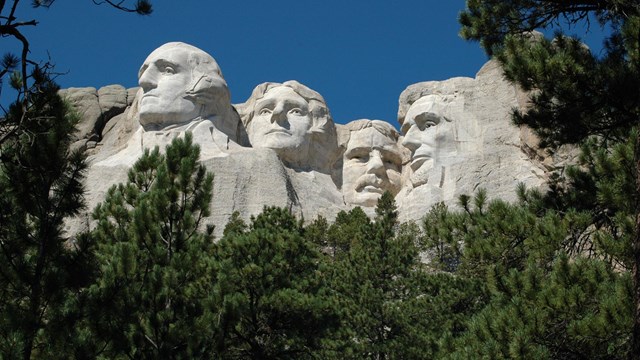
point(425, 116)
point(288, 103)
point(143, 69)
point(391, 153)
point(158, 63)
point(165, 62)
point(386, 153)
point(357, 151)
point(264, 103)
point(296, 102)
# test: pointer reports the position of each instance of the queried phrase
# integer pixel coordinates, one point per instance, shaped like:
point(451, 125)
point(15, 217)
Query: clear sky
point(358, 54)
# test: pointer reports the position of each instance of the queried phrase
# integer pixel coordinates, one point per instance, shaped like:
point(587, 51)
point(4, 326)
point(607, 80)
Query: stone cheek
point(456, 136)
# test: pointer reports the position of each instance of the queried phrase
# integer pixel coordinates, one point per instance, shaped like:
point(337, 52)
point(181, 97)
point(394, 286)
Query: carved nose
point(412, 139)
point(278, 115)
point(375, 164)
point(147, 80)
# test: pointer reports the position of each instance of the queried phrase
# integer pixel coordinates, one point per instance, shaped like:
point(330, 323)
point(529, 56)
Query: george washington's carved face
point(164, 78)
point(179, 83)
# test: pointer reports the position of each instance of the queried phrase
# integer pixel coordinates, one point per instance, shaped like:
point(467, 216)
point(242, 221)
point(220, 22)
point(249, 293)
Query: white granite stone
point(282, 148)
point(461, 138)
point(372, 161)
point(294, 121)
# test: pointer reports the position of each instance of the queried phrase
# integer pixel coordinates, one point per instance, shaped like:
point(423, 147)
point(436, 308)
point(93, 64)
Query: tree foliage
point(270, 291)
point(548, 290)
point(393, 307)
point(19, 68)
point(41, 274)
point(555, 275)
point(578, 97)
point(577, 93)
point(150, 298)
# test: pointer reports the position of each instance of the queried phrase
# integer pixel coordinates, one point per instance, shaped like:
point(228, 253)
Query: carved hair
point(447, 91)
point(383, 127)
point(380, 126)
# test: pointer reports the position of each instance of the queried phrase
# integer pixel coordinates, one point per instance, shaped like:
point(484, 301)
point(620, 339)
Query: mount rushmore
point(282, 147)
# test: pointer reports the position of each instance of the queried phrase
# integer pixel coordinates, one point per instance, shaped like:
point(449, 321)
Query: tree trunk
point(635, 336)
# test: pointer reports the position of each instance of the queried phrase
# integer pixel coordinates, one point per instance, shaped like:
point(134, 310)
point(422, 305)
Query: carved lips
point(421, 155)
point(370, 183)
point(146, 97)
point(279, 131)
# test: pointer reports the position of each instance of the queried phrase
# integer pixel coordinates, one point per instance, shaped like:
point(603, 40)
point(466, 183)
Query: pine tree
point(442, 240)
point(394, 308)
point(548, 291)
point(18, 68)
point(335, 240)
point(574, 310)
point(270, 291)
point(579, 98)
point(151, 297)
point(42, 273)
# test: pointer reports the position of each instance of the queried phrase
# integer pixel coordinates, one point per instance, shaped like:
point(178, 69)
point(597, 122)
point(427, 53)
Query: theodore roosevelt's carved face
point(427, 134)
point(372, 165)
point(179, 83)
point(281, 121)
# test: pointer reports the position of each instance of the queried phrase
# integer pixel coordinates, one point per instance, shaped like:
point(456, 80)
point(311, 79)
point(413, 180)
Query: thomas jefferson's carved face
point(281, 121)
point(372, 165)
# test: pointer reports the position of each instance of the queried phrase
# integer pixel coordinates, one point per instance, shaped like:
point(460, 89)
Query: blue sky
point(359, 55)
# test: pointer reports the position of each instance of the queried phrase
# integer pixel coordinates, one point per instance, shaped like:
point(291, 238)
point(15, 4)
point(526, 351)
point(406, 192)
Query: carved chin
point(366, 199)
point(149, 117)
point(420, 176)
point(290, 151)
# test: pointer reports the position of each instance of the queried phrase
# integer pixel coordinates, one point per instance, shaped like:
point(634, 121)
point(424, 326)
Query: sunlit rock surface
point(281, 148)
point(470, 143)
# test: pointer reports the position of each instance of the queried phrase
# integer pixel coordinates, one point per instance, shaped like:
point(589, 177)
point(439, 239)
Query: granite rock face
point(372, 161)
point(281, 147)
point(470, 140)
point(97, 107)
point(294, 121)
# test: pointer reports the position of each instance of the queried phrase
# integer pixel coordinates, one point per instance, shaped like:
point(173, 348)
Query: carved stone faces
point(427, 134)
point(291, 119)
point(372, 163)
point(281, 121)
point(179, 83)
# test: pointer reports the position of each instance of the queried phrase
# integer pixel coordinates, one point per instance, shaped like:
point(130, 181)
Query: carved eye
point(391, 165)
point(265, 111)
point(426, 120)
point(360, 158)
point(429, 124)
point(168, 70)
point(295, 111)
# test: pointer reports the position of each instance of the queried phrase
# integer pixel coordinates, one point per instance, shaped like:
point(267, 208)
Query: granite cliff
point(281, 147)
